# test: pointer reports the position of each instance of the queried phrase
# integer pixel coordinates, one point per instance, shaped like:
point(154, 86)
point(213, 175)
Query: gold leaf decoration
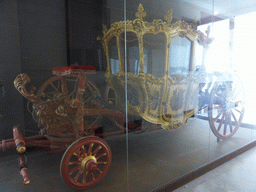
point(168, 17)
point(140, 14)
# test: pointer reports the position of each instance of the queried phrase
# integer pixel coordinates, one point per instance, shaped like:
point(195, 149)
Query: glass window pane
point(180, 51)
point(113, 54)
point(154, 54)
point(132, 50)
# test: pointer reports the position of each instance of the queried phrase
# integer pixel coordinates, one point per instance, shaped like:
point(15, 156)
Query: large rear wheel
point(226, 108)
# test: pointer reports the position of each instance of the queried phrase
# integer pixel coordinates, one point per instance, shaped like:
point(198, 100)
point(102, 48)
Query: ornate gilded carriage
point(151, 66)
point(162, 87)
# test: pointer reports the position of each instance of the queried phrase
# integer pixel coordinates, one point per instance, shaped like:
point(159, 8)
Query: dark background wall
point(37, 35)
point(42, 34)
point(85, 18)
point(12, 111)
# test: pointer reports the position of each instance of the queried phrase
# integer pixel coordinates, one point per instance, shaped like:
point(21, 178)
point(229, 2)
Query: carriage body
point(151, 72)
point(153, 64)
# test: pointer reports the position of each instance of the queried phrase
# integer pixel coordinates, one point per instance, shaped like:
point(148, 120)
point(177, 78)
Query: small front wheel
point(85, 163)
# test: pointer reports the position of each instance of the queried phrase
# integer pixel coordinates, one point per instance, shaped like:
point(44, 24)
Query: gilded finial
point(168, 17)
point(208, 31)
point(194, 23)
point(140, 14)
point(104, 28)
point(205, 40)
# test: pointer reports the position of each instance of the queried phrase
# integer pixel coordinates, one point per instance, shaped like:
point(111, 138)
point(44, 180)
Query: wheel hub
point(230, 105)
point(89, 163)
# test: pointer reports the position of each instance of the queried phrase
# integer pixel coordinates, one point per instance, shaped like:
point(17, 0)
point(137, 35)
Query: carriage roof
point(160, 32)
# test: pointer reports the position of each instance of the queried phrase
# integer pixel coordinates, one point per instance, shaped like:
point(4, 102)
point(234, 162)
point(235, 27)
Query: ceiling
point(228, 8)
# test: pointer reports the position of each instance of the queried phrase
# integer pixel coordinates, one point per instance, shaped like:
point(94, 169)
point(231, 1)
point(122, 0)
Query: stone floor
point(237, 175)
point(148, 160)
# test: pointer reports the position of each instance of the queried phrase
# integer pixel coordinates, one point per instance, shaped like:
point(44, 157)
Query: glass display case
point(152, 98)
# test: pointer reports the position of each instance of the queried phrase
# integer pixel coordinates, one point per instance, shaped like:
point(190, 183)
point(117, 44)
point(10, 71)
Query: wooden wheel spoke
point(99, 170)
point(225, 126)
point(231, 128)
point(230, 122)
point(83, 150)
point(84, 180)
point(56, 88)
point(78, 175)
point(90, 148)
point(238, 111)
point(77, 153)
point(100, 155)
point(64, 87)
point(74, 170)
point(217, 117)
point(220, 97)
point(92, 176)
point(102, 162)
point(74, 162)
point(96, 150)
point(221, 122)
point(234, 117)
point(218, 107)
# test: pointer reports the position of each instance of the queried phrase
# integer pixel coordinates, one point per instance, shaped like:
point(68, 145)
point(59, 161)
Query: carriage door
point(181, 91)
point(154, 57)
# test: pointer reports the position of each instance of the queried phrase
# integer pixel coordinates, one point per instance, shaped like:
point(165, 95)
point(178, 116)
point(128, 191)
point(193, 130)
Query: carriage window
point(154, 54)
point(113, 53)
point(179, 56)
point(133, 54)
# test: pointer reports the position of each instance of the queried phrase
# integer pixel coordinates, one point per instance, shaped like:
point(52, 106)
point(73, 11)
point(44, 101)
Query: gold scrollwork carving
point(140, 14)
point(152, 98)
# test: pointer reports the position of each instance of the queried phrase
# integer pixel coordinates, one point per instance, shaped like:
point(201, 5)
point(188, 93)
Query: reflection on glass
point(132, 48)
point(216, 58)
point(154, 54)
point(113, 53)
point(179, 56)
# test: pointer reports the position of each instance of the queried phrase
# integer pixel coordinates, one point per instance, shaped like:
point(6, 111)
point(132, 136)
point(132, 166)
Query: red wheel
point(59, 93)
point(53, 88)
point(85, 162)
point(226, 109)
point(59, 86)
